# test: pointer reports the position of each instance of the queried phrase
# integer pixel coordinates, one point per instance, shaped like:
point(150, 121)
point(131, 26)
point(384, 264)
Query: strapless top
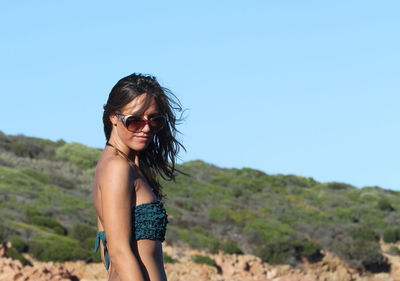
point(149, 221)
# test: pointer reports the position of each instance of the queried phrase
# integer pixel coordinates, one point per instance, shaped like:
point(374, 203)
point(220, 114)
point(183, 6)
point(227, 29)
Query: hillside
point(46, 209)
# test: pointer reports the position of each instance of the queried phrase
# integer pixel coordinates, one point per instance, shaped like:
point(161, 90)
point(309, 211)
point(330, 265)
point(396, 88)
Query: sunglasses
point(135, 124)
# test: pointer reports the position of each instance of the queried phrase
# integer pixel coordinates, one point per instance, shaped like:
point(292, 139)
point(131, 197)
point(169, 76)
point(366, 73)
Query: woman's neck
point(129, 154)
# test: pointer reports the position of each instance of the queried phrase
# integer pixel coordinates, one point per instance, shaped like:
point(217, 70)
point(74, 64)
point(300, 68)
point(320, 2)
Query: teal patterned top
point(149, 221)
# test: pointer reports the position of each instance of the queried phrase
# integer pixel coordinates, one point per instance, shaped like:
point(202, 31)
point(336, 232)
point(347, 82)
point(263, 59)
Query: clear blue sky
point(294, 87)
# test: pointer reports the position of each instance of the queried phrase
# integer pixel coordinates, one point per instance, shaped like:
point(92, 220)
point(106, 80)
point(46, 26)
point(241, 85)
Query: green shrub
point(242, 216)
point(363, 253)
point(268, 228)
point(195, 239)
point(57, 248)
point(187, 204)
point(19, 244)
point(82, 156)
point(59, 229)
point(275, 253)
point(168, 259)
point(293, 180)
point(40, 220)
point(171, 211)
point(200, 259)
point(214, 247)
point(278, 250)
point(219, 213)
point(198, 229)
point(373, 219)
point(23, 146)
point(230, 247)
point(43, 178)
point(345, 214)
point(62, 181)
point(31, 211)
point(201, 192)
point(310, 250)
point(15, 179)
point(391, 235)
point(3, 230)
point(384, 205)
point(238, 181)
point(20, 149)
point(15, 254)
point(85, 235)
point(364, 233)
point(88, 244)
point(81, 232)
point(237, 191)
point(338, 186)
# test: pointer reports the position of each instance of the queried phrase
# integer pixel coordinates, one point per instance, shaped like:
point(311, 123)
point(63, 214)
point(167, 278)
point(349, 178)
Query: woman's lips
point(142, 138)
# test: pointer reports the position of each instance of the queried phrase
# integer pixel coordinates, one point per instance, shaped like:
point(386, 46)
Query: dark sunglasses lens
point(157, 123)
point(134, 124)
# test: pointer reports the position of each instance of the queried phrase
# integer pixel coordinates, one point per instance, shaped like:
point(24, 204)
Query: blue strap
point(101, 235)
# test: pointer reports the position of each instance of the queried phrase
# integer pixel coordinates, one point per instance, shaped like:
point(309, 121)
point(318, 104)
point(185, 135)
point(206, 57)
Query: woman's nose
point(146, 128)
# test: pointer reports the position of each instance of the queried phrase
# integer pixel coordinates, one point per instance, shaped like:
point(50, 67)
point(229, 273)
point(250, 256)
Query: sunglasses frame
point(124, 118)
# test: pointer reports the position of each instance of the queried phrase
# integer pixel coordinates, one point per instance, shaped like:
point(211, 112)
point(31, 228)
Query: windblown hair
point(159, 157)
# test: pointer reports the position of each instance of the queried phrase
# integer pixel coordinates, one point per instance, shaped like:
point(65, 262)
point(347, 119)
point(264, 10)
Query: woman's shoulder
point(113, 171)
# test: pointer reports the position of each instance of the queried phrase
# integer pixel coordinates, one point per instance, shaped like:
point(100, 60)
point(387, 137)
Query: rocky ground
point(229, 267)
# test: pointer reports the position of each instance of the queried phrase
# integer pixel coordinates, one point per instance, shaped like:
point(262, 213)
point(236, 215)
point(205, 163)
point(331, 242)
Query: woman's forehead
point(140, 105)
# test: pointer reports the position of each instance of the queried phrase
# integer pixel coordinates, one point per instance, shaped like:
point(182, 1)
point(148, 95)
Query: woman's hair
point(159, 157)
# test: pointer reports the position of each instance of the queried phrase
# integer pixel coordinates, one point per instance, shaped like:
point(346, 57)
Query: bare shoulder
point(115, 173)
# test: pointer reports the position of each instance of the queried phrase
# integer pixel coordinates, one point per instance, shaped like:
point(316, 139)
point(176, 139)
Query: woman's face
point(140, 139)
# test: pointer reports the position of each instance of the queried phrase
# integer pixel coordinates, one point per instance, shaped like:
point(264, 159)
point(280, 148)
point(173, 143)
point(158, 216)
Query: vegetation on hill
point(46, 207)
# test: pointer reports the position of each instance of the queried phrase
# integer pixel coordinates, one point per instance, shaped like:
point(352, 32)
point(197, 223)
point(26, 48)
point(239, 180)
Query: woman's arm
point(117, 207)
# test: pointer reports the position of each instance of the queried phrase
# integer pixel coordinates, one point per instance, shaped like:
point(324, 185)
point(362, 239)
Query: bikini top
point(149, 221)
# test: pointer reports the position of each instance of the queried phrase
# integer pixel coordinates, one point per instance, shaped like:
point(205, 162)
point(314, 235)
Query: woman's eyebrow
point(153, 114)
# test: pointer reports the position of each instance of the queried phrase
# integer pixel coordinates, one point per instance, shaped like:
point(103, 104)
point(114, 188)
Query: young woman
point(140, 128)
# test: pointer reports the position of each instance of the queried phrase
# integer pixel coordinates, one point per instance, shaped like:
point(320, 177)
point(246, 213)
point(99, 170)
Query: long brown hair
point(159, 158)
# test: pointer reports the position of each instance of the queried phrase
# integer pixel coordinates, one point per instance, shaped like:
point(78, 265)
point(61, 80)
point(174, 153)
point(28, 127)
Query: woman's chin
point(139, 146)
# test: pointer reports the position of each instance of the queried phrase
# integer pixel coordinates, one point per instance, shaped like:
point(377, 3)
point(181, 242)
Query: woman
point(140, 127)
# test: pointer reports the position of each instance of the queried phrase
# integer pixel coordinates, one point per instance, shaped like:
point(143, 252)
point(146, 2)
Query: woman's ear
point(113, 119)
